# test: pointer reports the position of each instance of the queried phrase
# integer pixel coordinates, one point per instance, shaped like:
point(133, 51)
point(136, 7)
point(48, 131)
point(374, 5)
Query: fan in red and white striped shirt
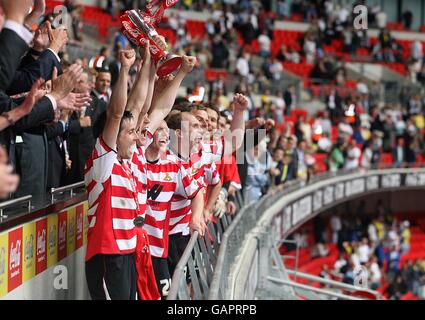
point(116, 196)
point(205, 173)
point(167, 179)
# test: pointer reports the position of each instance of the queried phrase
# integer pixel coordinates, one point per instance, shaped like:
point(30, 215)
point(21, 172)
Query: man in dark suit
point(27, 138)
point(14, 39)
point(86, 126)
point(399, 153)
point(115, 66)
point(12, 47)
point(334, 105)
point(290, 97)
point(56, 154)
point(40, 59)
point(102, 85)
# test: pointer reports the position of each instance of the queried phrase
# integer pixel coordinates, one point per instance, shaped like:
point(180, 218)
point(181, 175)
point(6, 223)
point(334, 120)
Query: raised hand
point(75, 101)
point(254, 123)
point(269, 124)
point(41, 38)
point(35, 94)
point(188, 64)
point(127, 58)
point(162, 83)
point(63, 85)
point(8, 180)
point(145, 54)
point(58, 37)
point(240, 102)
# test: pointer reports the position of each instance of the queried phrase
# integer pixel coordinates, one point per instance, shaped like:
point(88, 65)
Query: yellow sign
point(28, 267)
point(71, 225)
point(4, 262)
point(52, 240)
point(86, 222)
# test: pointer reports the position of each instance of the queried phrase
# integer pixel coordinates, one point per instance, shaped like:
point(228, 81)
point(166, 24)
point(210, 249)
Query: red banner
point(41, 246)
point(15, 259)
point(62, 235)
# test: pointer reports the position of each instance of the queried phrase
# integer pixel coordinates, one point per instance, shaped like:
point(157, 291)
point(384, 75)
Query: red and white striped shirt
point(202, 168)
point(116, 196)
point(167, 178)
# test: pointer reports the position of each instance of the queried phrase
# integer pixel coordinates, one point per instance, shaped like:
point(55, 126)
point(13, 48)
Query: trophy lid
point(169, 65)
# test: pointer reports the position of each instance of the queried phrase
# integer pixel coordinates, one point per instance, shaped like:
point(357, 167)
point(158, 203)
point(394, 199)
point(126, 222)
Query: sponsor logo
point(154, 192)
point(41, 242)
point(15, 255)
point(29, 247)
point(133, 32)
point(62, 232)
point(52, 237)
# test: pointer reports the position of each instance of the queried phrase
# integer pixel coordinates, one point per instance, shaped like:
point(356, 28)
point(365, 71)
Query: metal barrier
point(259, 226)
point(70, 188)
point(198, 263)
point(7, 204)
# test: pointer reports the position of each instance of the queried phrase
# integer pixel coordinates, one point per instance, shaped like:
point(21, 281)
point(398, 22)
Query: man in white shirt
point(242, 65)
point(364, 251)
point(324, 143)
point(417, 50)
point(343, 15)
point(375, 274)
point(310, 49)
point(345, 128)
point(264, 42)
point(353, 156)
point(381, 19)
point(336, 227)
point(276, 69)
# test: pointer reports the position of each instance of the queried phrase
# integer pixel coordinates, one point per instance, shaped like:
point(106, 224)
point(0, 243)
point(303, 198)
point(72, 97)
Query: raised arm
point(136, 100)
point(237, 127)
point(118, 100)
point(160, 40)
point(25, 108)
point(148, 101)
point(163, 100)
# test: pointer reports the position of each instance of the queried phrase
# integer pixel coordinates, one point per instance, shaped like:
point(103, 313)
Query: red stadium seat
point(212, 74)
point(387, 158)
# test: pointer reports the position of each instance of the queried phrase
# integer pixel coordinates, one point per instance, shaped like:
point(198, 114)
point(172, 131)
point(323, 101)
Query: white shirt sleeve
point(56, 55)
point(103, 161)
point(20, 30)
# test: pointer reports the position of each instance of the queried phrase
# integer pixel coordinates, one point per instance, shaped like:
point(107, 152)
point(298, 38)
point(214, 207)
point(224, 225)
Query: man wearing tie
point(102, 89)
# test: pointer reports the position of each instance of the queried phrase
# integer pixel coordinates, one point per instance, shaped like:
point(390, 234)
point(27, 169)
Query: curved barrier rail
point(198, 263)
point(241, 263)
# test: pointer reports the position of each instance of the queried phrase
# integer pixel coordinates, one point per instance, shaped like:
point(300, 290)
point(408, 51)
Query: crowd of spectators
point(54, 108)
point(374, 244)
point(352, 132)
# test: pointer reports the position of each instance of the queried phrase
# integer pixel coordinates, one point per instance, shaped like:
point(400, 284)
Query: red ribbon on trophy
point(156, 15)
point(139, 27)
